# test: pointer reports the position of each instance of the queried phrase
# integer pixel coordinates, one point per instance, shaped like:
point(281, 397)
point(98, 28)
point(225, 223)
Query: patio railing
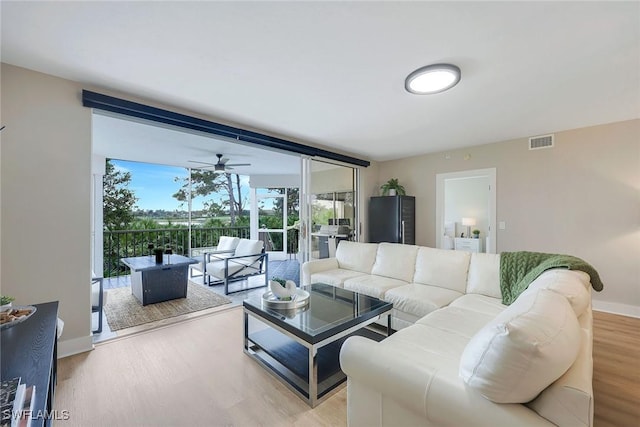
point(129, 243)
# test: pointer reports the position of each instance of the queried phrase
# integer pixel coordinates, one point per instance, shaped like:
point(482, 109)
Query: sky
point(154, 185)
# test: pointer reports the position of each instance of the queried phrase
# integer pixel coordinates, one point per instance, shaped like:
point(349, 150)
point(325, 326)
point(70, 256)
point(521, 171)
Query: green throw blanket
point(519, 269)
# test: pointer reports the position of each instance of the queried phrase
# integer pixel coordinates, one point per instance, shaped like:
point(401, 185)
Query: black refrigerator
point(392, 219)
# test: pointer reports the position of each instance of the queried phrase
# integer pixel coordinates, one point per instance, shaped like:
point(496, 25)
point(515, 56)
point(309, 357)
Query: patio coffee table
point(152, 283)
point(301, 347)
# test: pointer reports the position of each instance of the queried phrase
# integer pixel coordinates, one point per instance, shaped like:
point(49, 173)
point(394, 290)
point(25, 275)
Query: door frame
point(490, 173)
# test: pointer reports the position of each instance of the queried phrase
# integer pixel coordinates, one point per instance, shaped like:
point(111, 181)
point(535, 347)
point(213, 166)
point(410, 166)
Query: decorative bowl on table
point(11, 316)
point(284, 296)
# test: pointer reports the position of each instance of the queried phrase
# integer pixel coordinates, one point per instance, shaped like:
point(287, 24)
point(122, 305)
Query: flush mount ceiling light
point(434, 78)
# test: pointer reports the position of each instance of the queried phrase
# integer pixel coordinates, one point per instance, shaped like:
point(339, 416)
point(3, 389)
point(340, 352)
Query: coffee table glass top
point(329, 311)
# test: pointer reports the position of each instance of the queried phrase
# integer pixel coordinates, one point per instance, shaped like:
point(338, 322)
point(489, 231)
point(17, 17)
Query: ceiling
point(141, 141)
point(332, 73)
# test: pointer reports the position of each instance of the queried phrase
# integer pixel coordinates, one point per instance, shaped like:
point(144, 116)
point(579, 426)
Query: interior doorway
point(466, 201)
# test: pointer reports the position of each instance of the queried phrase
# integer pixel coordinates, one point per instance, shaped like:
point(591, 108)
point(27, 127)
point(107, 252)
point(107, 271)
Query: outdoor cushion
point(227, 243)
point(249, 247)
point(217, 268)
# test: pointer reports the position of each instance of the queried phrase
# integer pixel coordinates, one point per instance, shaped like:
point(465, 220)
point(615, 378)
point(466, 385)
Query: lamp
point(468, 222)
point(433, 78)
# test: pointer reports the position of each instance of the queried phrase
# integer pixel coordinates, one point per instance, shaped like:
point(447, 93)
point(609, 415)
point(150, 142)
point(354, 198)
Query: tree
point(205, 182)
point(119, 201)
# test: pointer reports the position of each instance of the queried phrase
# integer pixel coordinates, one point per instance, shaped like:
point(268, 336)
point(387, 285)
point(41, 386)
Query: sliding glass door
point(329, 214)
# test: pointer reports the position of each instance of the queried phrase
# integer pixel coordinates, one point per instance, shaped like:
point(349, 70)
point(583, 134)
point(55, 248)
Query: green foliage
point(392, 184)
point(279, 280)
point(206, 182)
point(4, 299)
point(119, 200)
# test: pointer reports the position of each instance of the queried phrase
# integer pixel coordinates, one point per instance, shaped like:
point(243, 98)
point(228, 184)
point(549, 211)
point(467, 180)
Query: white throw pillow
point(523, 350)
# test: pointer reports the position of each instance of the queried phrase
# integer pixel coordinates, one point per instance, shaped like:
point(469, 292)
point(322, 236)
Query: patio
point(286, 269)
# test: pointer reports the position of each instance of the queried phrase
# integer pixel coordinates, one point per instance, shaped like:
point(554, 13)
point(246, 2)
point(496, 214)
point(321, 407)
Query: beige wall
point(581, 197)
point(45, 178)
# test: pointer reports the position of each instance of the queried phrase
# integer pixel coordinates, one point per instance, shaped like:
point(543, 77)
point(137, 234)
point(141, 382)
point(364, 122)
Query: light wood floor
point(616, 370)
point(195, 373)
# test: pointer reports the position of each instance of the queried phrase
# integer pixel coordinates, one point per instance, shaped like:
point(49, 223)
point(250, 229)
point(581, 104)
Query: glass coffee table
point(301, 347)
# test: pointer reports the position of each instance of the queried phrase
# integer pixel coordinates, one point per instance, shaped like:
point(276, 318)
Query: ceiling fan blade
point(203, 163)
point(238, 164)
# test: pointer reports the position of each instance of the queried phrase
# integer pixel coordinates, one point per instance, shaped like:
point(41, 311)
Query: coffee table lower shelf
point(288, 360)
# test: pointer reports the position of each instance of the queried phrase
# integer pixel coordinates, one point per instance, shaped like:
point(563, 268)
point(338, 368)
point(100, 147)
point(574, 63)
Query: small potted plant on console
point(392, 188)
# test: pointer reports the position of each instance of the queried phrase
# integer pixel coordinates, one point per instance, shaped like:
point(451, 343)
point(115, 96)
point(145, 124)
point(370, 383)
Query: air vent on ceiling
point(538, 142)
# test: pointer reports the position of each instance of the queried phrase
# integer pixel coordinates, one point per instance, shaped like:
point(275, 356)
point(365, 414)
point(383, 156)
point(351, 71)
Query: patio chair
point(226, 247)
point(98, 299)
point(249, 259)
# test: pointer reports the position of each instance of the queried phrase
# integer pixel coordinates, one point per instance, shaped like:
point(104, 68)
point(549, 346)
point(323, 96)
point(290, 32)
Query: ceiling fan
point(222, 166)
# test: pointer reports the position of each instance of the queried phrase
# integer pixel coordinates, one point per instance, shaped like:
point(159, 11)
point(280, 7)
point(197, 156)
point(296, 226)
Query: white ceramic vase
point(283, 292)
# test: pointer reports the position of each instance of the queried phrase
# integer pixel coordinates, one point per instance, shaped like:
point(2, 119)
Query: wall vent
point(538, 142)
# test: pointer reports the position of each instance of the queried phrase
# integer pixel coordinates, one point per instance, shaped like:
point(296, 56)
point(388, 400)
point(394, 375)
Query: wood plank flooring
point(195, 373)
point(616, 370)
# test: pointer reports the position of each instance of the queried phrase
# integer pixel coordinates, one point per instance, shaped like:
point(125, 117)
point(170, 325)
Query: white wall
point(46, 187)
point(467, 198)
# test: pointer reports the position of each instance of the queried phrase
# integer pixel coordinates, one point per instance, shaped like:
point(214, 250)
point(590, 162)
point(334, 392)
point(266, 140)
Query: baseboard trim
point(74, 346)
point(616, 308)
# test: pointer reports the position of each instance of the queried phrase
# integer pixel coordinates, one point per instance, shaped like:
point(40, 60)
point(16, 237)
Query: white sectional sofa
point(460, 357)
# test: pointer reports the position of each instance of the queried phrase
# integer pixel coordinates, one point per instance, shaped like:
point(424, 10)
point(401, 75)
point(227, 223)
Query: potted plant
point(476, 233)
point(5, 302)
point(392, 187)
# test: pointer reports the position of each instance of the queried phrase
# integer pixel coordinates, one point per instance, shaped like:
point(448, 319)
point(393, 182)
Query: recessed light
point(434, 78)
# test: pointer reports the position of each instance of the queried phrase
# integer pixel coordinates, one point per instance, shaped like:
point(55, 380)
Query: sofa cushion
point(439, 267)
point(356, 256)
point(425, 342)
point(480, 303)
point(396, 261)
point(523, 350)
point(573, 285)
point(375, 286)
point(457, 321)
point(418, 299)
point(484, 275)
point(334, 277)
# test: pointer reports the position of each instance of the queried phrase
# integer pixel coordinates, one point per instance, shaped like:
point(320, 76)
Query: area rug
point(123, 310)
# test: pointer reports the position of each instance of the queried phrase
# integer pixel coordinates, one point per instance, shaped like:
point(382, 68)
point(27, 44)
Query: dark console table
point(29, 351)
point(151, 282)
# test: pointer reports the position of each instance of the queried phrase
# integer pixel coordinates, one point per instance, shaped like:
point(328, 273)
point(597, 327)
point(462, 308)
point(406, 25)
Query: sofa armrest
point(428, 390)
point(316, 266)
